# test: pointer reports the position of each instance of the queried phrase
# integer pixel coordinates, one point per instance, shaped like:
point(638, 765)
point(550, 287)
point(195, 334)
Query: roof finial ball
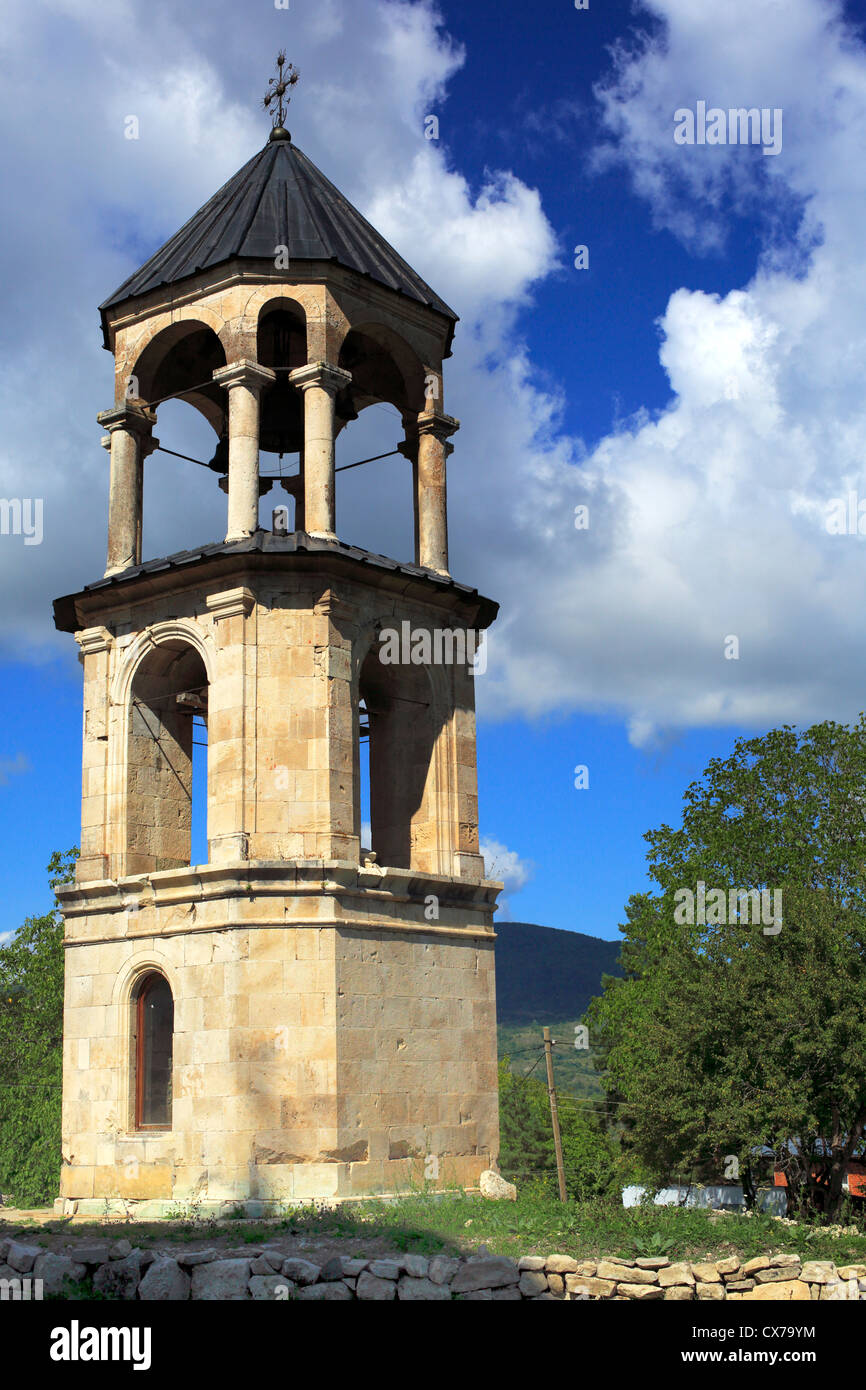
point(275, 100)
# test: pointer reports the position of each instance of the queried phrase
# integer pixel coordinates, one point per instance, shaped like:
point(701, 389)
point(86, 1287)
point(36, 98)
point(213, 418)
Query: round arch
point(180, 356)
point(173, 630)
point(152, 745)
point(384, 367)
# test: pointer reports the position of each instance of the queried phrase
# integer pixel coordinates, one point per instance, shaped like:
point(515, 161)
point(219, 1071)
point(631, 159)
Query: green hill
point(548, 976)
point(544, 975)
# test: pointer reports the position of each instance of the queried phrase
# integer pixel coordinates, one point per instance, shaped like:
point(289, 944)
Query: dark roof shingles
point(278, 198)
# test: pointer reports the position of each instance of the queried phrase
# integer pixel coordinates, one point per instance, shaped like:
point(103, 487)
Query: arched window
point(153, 1030)
point(394, 743)
point(167, 761)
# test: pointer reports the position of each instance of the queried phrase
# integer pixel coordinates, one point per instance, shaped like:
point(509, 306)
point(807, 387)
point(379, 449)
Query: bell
point(220, 461)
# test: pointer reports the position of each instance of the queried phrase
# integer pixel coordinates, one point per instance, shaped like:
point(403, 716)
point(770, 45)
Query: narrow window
point(154, 1027)
point(364, 780)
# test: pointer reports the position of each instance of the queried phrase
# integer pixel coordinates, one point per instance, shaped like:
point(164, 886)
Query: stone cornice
point(245, 565)
point(361, 900)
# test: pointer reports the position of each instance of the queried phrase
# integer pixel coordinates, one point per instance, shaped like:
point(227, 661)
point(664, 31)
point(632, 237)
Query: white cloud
point(505, 865)
point(705, 519)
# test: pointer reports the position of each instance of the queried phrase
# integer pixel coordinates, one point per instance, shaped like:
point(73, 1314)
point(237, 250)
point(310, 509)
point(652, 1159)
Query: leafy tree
point(524, 1133)
point(527, 1151)
point(736, 1040)
point(31, 1036)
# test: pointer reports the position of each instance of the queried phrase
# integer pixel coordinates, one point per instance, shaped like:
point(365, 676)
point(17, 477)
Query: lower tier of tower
point(263, 1035)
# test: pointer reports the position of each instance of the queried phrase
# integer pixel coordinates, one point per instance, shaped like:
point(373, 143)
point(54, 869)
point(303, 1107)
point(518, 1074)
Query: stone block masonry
point(266, 1273)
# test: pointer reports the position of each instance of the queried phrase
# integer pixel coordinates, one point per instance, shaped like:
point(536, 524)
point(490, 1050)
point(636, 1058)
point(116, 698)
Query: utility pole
point(554, 1115)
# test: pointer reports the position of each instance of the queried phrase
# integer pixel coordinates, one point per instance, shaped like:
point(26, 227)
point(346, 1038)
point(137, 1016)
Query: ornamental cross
point(277, 88)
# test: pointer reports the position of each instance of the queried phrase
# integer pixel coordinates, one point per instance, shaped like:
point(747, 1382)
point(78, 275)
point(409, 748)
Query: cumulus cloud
point(706, 519)
point(506, 865)
point(509, 868)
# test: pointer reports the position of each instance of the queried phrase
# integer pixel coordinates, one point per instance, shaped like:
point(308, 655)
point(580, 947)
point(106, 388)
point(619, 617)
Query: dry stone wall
point(117, 1270)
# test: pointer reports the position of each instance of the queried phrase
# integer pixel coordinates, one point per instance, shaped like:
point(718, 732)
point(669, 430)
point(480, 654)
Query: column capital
point(440, 426)
point(330, 378)
point(244, 372)
point(94, 639)
point(135, 419)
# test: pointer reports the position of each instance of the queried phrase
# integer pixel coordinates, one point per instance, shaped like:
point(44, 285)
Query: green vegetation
point(723, 1038)
point(574, 1072)
point(547, 975)
point(31, 1028)
point(535, 1223)
point(527, 1155)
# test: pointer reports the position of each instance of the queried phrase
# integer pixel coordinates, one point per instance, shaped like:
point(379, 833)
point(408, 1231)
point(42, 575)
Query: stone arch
point(141, 963)
point(174, 629)
point(281, 346)
point(162, 684)
point(130, 980)
point(183, 355)
point(384, 367)
point(405, 723)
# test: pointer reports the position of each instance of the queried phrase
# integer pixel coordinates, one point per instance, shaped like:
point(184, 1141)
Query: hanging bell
point(220, 461)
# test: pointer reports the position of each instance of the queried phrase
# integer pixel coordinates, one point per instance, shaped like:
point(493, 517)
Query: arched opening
point(364, 821)
point(387, 389)
point(281, 344)
point(394, 708)
point(152, 1051)
point(167, 718)
point(181, 361)
point(175, 372)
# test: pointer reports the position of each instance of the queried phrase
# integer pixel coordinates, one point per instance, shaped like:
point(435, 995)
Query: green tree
point(728, 1040)
point(527, 1151)
point(31, 1038)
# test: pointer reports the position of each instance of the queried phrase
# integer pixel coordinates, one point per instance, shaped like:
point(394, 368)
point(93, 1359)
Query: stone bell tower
point(298, 1017)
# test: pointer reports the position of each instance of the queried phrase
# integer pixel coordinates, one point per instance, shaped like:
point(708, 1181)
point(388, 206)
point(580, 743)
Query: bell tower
point(301, 1016)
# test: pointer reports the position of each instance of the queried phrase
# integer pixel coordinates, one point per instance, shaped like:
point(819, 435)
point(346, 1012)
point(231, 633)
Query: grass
point(534, 1224)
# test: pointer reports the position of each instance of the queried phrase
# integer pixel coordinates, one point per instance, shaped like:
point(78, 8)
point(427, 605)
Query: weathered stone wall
point(282, 653)
point(118, 1270)
point(335, 1028)
point(310, 1061)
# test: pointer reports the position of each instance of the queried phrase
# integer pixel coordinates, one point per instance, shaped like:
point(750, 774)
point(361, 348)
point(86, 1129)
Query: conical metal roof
point(278, 198)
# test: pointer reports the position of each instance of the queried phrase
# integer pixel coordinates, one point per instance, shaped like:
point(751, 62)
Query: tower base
point(334, 1037)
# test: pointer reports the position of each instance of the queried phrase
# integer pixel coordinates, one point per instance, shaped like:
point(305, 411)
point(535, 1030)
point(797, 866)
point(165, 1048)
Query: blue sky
point(700, 385)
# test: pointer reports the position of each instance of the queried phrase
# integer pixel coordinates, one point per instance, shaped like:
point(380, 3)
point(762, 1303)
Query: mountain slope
point(544, 975)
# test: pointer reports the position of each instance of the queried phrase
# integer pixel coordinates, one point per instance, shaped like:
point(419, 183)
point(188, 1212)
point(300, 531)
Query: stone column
point(244, 381)
point(409, 450)
point(320, 383)
point(130, 441)
point(431, 506)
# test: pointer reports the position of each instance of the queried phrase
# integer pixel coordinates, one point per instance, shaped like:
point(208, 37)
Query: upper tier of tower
point(280, 314)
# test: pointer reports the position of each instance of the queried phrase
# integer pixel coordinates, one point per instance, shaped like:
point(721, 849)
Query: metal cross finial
point(277, 88)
